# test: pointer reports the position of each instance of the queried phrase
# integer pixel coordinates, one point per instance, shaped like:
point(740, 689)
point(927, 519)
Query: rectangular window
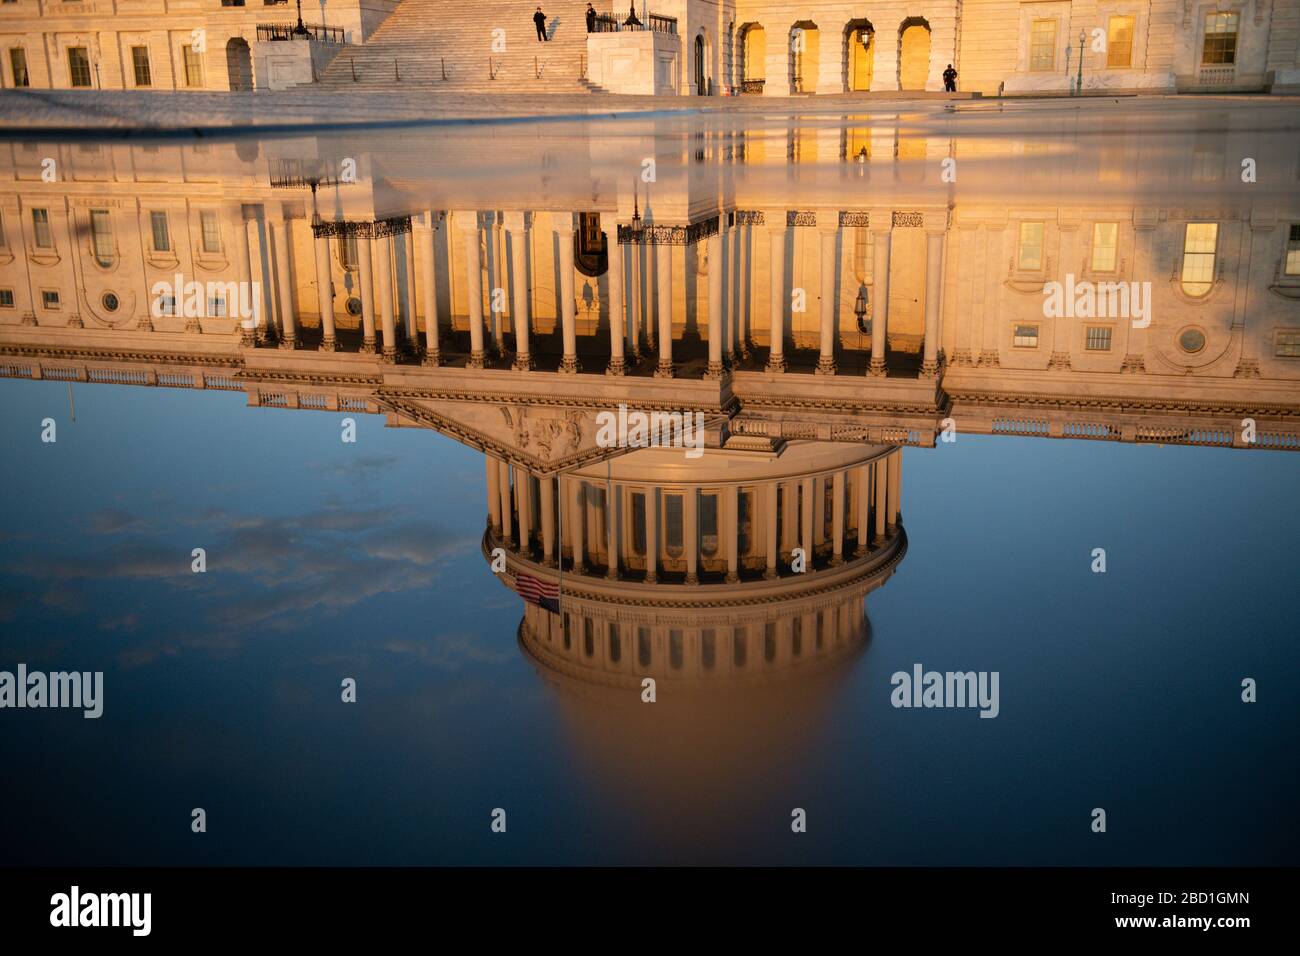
point(140, 60)
point(1293, 250)
point(162, 238)
point(1288, 345)
point(41, 235)
point(1119, 42)
point(193, 67)
point(18, 65)
point(1105, 246)
point(673, 525)
point(211, 232)
point(1026, 337)
point(101, 236)
point(6, 298)
point(1030, 256)
point(217, 305)
point(638, 523)
point(708, 525)
point(348, 252)
point(1220, 46)
point(49, 299)
point(78, 66)
point(166, 305)
point(1042, 45)
point(1098, 339)
point(1199, 243)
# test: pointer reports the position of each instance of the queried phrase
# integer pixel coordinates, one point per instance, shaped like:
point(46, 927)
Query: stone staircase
point(422, 37)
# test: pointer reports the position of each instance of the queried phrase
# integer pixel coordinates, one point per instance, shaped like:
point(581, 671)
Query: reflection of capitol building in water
point(696, 571)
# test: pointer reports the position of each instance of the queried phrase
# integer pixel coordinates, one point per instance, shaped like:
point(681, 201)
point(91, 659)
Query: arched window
point(913, 54)
point(590, 254)
point(1199, 243)
point(805, 48)
point(101, 236)
point(754, 57)
point(860, 48)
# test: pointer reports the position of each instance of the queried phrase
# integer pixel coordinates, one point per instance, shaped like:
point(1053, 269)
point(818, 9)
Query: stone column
point(547, 492)
point(564, 232)
point(863, 483)
point(879, 468)
point(826, 360)
point(691, 533)
point(517, 229)
point(790, 517)
point(611, 531)
point(731, 527)
point(494, 492)
point(429, 290)
point(714, 369)
point(880, 291)
point(635, 290)
point(244, 266)
point(837, 517)
point(468, 222)
point(617, 313)
point(366, 281)
point(664, 303)
point(734, 274)
point(891, 498)
point(933, 292)
point(507, 511)
point(577, 525)
point(651, 535)
point(408, 301)
point(898, 486)
point(284, 285)
point(772, 549)
point(777, 304)
point(384, 293)
point(524, 502)
point(325, 293)
point(806, 519)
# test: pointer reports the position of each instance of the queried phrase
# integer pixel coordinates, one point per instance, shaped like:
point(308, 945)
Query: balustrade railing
point(306, 31)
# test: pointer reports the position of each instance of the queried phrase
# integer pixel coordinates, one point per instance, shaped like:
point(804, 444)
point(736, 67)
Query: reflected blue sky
point(328, 560)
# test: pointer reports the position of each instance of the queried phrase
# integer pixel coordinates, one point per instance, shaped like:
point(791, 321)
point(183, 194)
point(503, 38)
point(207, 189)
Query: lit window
point(1293, 251)
point(211, 231)
point(49, 299)
point(101, 236)
point(1220, 46)
point(78, 66)
point(41, 235)
point(162, 239)
point(1098, 339)
point(1119, 41)
point(193, 67)
point(1042, 45)
point(1105, 244)
point(1030, 258)
point(1288, 345)
point(140, 61)
point(1198, 257)
point(348, 252)
point(6, 298)
point(1026, 337)
point(18, 64)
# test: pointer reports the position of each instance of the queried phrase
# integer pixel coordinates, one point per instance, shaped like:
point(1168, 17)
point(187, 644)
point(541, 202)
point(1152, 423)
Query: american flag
point(542, 593)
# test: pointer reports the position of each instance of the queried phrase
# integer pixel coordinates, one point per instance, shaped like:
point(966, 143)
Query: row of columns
point(574, 508)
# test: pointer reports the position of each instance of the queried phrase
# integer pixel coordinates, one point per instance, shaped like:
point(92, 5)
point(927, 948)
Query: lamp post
point(860, 310)
point(300, 30)
point(1079, 84)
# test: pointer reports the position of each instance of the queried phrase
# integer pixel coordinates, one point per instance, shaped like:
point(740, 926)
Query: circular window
point(354, 306)
point(109, 302)
point(1191, 340)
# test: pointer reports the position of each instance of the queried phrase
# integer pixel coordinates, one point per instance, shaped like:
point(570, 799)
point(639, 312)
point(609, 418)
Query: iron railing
point(295, 31)
point(610, 23)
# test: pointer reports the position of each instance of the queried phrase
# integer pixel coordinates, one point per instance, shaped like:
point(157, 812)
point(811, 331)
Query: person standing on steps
point(539, 18)
point(591, 19)
point(950, 80)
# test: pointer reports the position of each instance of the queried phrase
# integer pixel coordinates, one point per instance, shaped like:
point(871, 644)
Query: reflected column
point(880, 290)
point(714, 369)
point(429, 288)
point(933, 292)
point(772, 549)
point(826, 359)
point(664, 303)
point(564, 233)
point(468, 222)
point(776, 296)
point(517, 228)
point(325, 292)
point(548, 521)
point(366, 279)
point(617, 313)
point(284, 284)
point(384, 293)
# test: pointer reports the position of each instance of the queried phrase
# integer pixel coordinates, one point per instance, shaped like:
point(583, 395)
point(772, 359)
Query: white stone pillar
point(517, 226)
point(284, 284)
point(880, 293)
point(714, 369)
point(408, 301)
point(933, 292)
point(664, 273)
point(384, 293)
point(691, 533)
point(772, 551)
point(429, 290)
point(325, 293)
point(611, 531)
point(366, 280)
point(468, 222)
point(244, 267)
point(617, 312)
point(548, 521)
point(564, 233)
point(837, 517)
point(826, 359)
point(776, 297)
point(731, 528)
point(806, 516)
point(651, 535)
point(862, 482)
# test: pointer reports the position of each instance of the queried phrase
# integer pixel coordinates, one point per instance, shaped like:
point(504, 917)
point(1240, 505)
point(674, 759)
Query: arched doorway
point(701, 81)
point(860, 37)
point(753, 63)
point(239, 64)
point(913, 54)
point(805, 47)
